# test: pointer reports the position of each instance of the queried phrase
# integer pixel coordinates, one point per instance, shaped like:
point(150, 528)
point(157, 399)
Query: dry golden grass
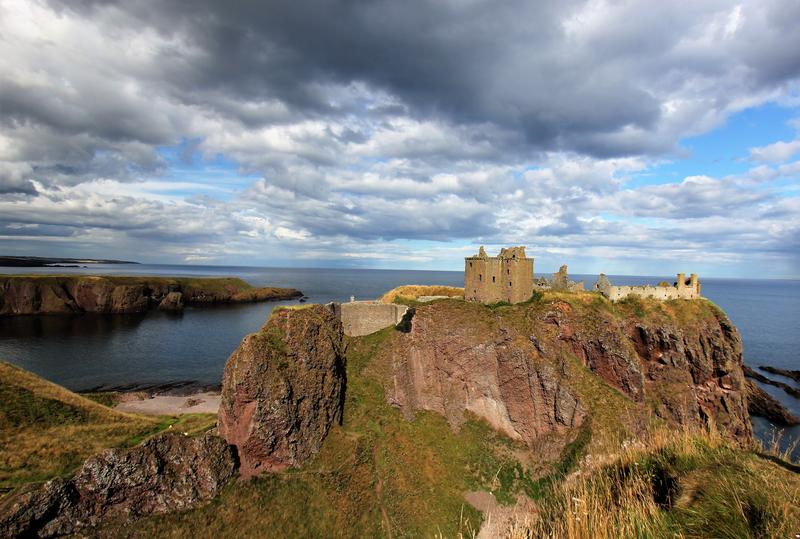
point(413, 291)
point(673, 484)
point(47, 431)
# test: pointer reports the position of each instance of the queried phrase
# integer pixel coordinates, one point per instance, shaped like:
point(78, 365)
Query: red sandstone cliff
point(76, 294)
point(523, 368)
point(681, 363)
point(283, 389)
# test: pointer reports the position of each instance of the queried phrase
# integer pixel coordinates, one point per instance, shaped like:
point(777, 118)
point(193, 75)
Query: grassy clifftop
point(58, 294)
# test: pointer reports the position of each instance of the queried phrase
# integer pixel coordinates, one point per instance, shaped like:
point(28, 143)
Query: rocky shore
point(755, 375)
point(762, 404)
point(29, 294)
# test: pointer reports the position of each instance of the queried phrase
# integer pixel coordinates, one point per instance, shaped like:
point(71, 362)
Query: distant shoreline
point(42, 262)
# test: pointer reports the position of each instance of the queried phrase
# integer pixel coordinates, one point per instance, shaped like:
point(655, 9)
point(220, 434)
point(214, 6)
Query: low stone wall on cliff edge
point(365, 317)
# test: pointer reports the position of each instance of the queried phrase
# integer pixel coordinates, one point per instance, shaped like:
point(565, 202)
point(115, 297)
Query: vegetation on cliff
point(63, 294)
point(376, 475)
point(672, 483)
point(411, 292)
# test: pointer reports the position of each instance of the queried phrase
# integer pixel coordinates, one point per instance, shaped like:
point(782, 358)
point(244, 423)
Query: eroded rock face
point(172, 302)
point(694, 370)
point(283, 388)
point(166, 473)
point(507, 365)
point(449, 364)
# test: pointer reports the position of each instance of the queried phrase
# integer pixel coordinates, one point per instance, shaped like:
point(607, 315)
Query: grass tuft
point(672, 484)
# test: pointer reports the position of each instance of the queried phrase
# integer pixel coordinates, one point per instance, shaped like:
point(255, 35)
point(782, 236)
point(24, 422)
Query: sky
point(627, 137)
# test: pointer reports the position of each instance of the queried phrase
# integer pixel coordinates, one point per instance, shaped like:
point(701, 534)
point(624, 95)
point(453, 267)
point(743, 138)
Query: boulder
point(172, 302)
point(283, 389)
point(168, 472)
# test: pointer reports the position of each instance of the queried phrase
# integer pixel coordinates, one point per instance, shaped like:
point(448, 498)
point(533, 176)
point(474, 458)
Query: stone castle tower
point(505, 277)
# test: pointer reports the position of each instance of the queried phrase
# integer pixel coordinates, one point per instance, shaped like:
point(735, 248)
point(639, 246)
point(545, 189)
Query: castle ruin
point(508, 277)
point(683, 288)
point(505, 277)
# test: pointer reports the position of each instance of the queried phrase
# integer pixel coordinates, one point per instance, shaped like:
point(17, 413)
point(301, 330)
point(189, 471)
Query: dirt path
point(387, 525)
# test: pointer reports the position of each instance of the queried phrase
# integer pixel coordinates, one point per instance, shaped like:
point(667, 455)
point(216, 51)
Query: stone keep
point(505, 277)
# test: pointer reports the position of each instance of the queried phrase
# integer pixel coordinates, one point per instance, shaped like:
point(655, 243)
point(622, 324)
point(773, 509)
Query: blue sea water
point(88, 351)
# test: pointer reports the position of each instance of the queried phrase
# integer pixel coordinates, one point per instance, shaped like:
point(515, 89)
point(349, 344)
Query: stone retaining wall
point(365, 317)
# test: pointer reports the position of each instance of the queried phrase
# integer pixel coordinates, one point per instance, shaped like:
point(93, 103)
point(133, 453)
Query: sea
point(83, 352)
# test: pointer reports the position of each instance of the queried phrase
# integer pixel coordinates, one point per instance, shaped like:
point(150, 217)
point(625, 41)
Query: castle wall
point(365, 317)
point(489, 280)
point(681, 290)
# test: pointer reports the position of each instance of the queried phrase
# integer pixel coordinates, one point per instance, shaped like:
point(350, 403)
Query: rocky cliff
point(679, 362)
point(77, 294)
point(530, 370)
point(283, 389)
point(166, 473)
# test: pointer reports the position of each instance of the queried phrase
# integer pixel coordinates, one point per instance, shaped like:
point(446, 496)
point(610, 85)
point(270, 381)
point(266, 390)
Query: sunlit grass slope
point(674, 484)
point(47, 431)
point(413, 291)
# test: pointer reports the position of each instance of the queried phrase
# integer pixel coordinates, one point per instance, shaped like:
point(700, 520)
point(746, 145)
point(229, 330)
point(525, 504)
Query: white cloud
point(776, 152)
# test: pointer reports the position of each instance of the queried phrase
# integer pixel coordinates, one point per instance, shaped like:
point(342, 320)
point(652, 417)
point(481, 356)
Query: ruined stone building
point(682, 289)
point(505, 277)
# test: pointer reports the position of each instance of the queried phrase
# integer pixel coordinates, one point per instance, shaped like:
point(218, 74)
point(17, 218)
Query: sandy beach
point(200, 403)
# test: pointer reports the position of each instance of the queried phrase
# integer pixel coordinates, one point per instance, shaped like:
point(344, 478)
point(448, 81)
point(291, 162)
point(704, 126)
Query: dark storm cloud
point(565, 75)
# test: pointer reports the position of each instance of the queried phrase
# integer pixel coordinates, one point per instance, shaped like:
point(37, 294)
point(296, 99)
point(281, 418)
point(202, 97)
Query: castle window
point(509, 283)
point(470, 264)
point(480, 276)
point(492, 278)
point(508, 271)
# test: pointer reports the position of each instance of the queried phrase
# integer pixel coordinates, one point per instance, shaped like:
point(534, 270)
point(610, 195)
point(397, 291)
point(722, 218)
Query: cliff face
point(77, 294)
point(283, 388)
point(455, 360)
point(530, 370)
point(680, 363)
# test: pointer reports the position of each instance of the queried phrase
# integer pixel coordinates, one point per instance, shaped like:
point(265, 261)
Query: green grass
point(106, 398)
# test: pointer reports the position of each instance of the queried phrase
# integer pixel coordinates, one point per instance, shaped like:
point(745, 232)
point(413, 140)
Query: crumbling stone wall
point(561, 281)
point(506, 277)
point(682, 289)
point(365, 317)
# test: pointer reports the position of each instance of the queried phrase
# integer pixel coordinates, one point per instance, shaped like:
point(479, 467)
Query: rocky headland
point(516, 366)
point(33, 294)
point(391, 433)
